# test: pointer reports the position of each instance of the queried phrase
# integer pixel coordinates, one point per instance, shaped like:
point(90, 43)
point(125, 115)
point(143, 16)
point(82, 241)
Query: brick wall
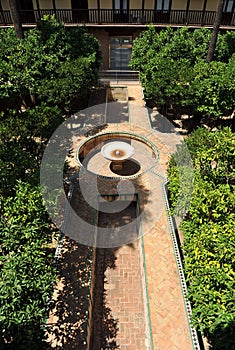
point(103, 36)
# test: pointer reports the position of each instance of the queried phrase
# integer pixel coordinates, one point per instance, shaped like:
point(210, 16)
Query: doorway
point(162, 11)
point(121, 11)
point(26, 11)
point(80, 11)
point(120, 49)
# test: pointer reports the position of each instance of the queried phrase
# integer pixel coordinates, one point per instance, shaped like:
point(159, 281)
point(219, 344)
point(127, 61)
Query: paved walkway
point(170, 329)
point(142, 291)
point(124, 296)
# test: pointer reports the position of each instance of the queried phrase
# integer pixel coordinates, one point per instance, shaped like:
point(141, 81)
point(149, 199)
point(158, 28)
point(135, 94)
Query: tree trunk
point(233, 123)
point(215, 32)
point(15, 15)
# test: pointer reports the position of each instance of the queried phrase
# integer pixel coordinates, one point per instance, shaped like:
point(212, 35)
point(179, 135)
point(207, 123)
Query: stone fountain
point(117, 152)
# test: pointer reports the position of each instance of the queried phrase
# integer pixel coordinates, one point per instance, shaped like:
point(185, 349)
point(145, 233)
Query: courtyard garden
point(45, 78)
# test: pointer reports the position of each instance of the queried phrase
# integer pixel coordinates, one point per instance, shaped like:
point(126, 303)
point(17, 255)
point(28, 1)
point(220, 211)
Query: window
point(229, 6)
point(120, 53)
point(121, 6)
point(162, 5)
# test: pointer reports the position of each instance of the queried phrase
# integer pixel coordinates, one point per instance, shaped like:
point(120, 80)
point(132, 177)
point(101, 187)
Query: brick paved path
point(126, 303)
point(125, 297)
point(170, 329)
point(124, 287)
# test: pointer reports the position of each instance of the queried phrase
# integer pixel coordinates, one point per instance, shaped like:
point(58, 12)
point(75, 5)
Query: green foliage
point(44, 72)
point(209, 234)
point(49, 59)
point(22, 138)
point(40, 76)
point(26, 270)
point(209, 252)
point(73, 79)
point(213, 88)
point(225, 47)
point(173, 70)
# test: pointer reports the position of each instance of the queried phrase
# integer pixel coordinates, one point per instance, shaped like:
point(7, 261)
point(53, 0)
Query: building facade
point(116, 23)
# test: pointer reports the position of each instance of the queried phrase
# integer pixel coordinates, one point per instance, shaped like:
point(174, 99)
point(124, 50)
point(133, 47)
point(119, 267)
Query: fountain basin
point(91, 159)
point(117, 151)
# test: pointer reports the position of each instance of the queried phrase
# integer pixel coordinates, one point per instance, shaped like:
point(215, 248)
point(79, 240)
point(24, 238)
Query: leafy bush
point(209, 234)
point(173, 70)
point(26, 270)
point(41, 74)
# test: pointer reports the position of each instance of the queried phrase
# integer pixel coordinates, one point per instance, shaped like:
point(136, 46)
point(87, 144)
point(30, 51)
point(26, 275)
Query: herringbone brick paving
point(125, 297)
point(125, 284)
point(169, 323)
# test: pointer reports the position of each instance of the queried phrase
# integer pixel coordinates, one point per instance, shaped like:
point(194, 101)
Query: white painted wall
point(179, 4)
point(135, 4)
point(149, 4)
point(5, 5)
point(106, 4)
point(92, 4)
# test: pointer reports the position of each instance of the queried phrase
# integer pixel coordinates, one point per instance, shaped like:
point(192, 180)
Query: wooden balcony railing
point(135, 17)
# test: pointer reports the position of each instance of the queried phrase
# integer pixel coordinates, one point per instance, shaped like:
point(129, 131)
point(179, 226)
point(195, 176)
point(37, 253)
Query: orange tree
point(51, 64)
point(26, 269)
point(174, 72)
point(40, 75)
point(209, 234)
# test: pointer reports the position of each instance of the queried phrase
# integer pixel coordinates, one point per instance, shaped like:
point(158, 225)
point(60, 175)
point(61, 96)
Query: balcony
point(122, 17)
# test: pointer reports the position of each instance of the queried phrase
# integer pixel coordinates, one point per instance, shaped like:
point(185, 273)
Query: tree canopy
point(26, 268)
point(174, 72)
point(52, 63)
point(41, 75)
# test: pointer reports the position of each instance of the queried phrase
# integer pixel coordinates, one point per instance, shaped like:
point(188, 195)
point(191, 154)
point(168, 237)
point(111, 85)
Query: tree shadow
point(104, 328)
point(24, 336)
point(184, 120)
point(161, 123)
point(67, 325)
point(82, 318)
point(222, 339)
point(81, 290)
point(83, 212)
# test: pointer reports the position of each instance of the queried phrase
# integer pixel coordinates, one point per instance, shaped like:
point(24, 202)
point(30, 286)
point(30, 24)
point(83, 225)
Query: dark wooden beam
point(38, 8)
point(187, 10)
point(98, 7)
point(2, 15)
point(204, 5)
point(54, 8)
point(187, 6)
point(54, 5)
point(142, 15)
point(170, 5)
point(203, 11)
